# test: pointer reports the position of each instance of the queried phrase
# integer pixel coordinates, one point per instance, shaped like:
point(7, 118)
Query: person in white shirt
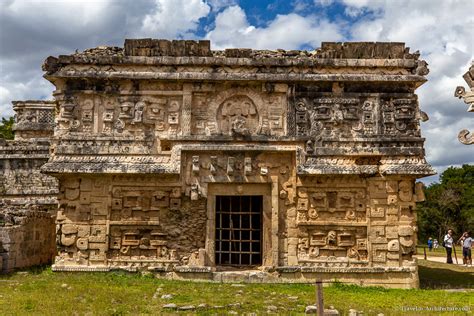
point(448, 244)
point(466, 242)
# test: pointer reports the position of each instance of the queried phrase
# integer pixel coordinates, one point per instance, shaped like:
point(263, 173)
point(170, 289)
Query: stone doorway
point(238, 233)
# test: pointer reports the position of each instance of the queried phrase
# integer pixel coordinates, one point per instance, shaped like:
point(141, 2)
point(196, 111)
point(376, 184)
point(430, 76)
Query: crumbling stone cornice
point(289, 65)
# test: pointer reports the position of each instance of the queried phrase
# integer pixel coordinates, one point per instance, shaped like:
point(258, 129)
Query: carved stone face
point(405, 191)
point(322, 112)
point(156, 111)
point(126, 110)
point(67, 110)
point(238, 115)
point(404, 111)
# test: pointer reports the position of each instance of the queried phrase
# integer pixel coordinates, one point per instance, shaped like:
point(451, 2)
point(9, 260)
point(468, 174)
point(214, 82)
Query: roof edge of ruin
point(148, 47)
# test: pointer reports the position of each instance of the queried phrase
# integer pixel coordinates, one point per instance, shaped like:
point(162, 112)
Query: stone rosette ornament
point(468, 97)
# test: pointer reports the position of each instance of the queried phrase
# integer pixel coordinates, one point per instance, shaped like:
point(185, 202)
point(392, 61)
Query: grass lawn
point(439, 252)
point(435, 275)
point(42, 292)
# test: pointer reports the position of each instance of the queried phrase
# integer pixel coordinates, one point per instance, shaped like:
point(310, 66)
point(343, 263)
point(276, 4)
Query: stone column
point(186, 109)
point(275, 215)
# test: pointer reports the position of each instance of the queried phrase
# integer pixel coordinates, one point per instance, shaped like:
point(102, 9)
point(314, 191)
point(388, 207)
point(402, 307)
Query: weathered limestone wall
point(27, 197)
point(112, 221)
point(149, 135)
point(27, 235)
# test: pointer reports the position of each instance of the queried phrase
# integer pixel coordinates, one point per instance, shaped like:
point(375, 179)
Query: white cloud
point(174, 18)
point(363, 3)
point(75, 12)
point(290, 31)
point(323, 3)
point(300, 5)
point(5, 98)
point(217, 5)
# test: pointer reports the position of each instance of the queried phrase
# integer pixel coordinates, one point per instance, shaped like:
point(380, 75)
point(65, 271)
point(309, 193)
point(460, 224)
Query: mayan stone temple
point(235, 165)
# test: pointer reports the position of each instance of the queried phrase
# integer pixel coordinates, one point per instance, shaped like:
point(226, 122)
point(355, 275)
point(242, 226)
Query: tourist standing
point(430, 244)
point(466, 241)
point(448, 244)
point(435, 244)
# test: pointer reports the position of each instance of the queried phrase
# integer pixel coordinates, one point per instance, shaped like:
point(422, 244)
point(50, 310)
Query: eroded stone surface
point(149, 135)
point(27, 197)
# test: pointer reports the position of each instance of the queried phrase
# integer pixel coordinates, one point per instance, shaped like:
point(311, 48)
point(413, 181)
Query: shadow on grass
point(438, 277)
point(39, 269)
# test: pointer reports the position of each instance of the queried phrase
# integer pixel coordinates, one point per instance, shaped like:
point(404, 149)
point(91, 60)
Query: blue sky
point(31, 30)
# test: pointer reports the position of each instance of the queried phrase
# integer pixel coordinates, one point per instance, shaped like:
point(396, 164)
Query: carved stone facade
point(468, 97)
point(287, 165)
point(27, 196)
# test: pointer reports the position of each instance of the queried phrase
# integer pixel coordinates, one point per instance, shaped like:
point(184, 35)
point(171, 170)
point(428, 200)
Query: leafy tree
point(6, 128)
point(449, 204)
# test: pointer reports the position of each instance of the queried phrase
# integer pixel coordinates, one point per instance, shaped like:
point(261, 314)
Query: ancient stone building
point(281, 165)
point(27, 197)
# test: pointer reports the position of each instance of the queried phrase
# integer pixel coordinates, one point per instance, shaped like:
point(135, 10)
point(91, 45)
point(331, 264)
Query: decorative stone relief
point(333, 204)
point(342, 242)
point(468, 97)
point(238, 116)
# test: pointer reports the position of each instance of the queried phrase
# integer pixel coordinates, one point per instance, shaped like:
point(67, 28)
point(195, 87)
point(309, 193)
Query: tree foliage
point(449, 204)
point(6, 128)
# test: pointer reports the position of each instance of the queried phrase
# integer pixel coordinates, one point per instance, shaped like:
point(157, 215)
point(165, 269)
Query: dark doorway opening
point(239, 230)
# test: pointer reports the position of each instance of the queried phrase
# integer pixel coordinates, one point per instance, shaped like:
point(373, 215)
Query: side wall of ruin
point(27, 237)
point(27, 197)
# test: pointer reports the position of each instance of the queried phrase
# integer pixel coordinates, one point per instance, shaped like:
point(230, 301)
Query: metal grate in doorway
point(239, 230)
